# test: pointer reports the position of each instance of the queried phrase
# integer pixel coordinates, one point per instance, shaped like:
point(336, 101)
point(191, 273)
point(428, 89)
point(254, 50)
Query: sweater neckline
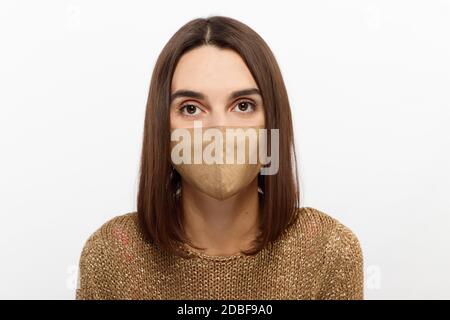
point(206, 256)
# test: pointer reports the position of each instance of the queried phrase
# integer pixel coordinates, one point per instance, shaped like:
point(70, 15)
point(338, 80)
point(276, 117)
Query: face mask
point(218, 161)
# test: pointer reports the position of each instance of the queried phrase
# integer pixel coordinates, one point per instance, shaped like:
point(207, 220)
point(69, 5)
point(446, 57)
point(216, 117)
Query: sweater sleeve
point(93, 270)
point(343, 266)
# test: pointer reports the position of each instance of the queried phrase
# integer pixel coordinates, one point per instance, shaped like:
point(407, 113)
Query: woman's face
point(214, 86)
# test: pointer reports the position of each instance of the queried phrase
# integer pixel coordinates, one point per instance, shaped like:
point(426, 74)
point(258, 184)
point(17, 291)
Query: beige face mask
point(218, 161)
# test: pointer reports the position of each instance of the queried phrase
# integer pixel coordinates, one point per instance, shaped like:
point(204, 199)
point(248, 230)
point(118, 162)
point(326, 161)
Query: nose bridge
point(218, 116)
point(217, 119)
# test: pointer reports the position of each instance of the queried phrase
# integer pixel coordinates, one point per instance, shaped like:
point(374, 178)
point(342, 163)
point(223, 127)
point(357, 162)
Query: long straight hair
point(159, 205)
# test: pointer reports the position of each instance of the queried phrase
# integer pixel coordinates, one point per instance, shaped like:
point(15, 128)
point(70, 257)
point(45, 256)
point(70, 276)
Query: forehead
point(211, 70)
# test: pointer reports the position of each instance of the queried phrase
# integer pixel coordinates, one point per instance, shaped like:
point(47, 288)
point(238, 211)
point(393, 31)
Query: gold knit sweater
point(317, 257)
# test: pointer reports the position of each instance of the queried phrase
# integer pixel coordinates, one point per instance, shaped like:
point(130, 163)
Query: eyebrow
point(201, 96)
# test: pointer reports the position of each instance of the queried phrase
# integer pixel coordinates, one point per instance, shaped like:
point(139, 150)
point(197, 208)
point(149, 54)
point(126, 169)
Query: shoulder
point(104, 253)
point(341, 268)
point(325, 235)
point(320, 226)
point(116, 232)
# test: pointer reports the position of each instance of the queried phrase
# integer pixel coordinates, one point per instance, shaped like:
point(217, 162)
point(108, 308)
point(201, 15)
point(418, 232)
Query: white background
point(369, 87)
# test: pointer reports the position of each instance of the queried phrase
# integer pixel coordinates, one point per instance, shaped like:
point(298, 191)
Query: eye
point(244, 107)
point(189, 110)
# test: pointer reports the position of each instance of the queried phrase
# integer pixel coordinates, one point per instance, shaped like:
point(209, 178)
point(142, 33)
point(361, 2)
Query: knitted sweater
point(317, 257)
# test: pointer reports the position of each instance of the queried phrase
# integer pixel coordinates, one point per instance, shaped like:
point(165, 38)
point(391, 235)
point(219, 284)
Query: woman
point(213, 230)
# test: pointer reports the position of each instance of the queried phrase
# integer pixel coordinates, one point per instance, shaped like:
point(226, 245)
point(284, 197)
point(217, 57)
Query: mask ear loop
point(173, 173)
point(260, 190)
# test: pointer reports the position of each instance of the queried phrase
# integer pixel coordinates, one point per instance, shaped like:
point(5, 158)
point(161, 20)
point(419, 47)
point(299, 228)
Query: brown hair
point(158, 202)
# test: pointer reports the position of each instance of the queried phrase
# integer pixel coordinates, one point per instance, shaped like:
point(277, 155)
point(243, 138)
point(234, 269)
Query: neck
point(221, 227)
